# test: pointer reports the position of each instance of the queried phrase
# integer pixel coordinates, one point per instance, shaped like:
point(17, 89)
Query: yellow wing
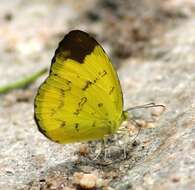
point(81, 99)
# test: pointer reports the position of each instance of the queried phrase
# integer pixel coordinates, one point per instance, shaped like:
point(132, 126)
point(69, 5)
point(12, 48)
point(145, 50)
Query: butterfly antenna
point(149, 105)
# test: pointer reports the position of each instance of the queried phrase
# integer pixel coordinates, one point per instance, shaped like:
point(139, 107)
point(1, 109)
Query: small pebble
point(157, 111)
point(88, 181)
point(141, 123)
point(175, 179)
point(150, 125)
point(83, 150)
point(85, 181)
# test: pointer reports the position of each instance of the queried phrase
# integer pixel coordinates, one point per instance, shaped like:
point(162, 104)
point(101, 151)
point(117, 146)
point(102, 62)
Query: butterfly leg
point(102, 147)
point(128, 131)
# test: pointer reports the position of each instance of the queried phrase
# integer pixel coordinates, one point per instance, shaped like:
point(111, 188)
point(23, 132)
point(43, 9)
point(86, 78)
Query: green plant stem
point(23, 82)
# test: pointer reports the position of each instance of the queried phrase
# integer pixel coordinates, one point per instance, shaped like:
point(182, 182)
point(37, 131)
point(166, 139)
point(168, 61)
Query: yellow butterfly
point(81, 99)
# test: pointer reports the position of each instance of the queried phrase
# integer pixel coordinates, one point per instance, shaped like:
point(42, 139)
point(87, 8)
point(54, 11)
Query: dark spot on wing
point(68, 82)
point(63, 124)
point(66, 87)
point(75, 45)
point(80, 105)
point(43, 131)
point(103, 73)
point(93, 113)
point(53, 111)
point(77, 127)
point(82, 102)
point(111, 90)
point(76, 112)
point(62, 92)
point(61, 102)
point(87, 85)
point(100, 105)
point(60, 106)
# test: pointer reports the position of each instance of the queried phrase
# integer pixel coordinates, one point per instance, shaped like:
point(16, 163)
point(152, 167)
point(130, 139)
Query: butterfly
point(81, 99)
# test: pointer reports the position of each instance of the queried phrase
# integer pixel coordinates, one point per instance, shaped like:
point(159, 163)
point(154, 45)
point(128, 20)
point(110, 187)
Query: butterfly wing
point(81, 99)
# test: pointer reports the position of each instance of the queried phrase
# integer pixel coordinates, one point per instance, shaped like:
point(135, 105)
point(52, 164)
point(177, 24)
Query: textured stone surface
point(168, 79)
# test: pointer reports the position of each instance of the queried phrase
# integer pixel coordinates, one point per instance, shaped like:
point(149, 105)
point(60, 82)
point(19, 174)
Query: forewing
point(81, 99)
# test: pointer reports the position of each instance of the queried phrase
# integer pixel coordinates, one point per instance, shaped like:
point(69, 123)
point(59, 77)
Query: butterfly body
point(81, 99)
